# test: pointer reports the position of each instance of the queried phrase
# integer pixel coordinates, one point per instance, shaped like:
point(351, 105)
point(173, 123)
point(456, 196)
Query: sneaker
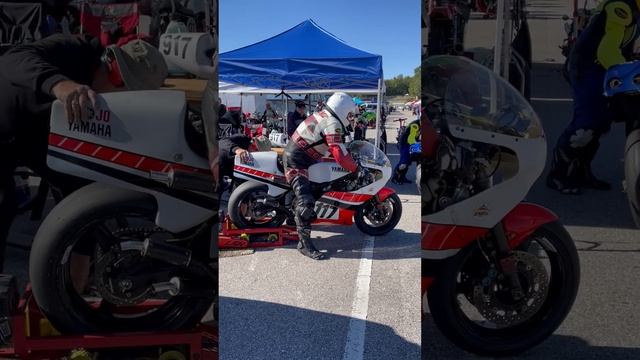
point(564, 187)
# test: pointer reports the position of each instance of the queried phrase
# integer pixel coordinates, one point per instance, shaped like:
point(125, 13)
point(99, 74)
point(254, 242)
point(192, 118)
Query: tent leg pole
point(378, 112)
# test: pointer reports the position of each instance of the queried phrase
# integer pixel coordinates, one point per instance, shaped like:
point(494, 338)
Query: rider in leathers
point(320, 134)
point(606, 42)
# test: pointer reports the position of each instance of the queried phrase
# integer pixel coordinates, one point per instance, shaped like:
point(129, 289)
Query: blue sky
point(387, 28)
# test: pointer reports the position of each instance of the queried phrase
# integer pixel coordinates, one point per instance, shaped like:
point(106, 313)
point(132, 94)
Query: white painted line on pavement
point(354, 348)
point(253, 263)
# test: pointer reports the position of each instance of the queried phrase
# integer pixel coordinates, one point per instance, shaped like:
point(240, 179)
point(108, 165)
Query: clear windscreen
point(368, 153)
point(463, 93)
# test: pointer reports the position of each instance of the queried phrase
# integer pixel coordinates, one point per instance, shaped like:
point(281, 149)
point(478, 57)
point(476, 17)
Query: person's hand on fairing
point(245, 156)
point(78, 99)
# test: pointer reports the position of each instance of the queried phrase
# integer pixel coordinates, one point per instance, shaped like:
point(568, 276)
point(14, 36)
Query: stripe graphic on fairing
point(187, 196)
point(265, 175)
point(266, 181)
point(348, 198)
point(116, 156)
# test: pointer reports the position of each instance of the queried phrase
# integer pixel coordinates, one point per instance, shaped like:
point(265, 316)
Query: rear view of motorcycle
point(498, 275)
point(134, 250)
point(622, 87)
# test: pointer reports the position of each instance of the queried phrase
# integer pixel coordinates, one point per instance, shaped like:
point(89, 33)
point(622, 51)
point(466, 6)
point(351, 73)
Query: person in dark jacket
point(70, 69)
point(295, 118)
point(230, 147)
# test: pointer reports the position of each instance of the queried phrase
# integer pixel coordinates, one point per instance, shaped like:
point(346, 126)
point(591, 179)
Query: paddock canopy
point(303, 59)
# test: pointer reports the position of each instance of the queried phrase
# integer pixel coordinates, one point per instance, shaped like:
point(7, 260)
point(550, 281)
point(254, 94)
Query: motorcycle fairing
point(264, 169)
point(443, 241)
point(489, 207)
point(115, 146)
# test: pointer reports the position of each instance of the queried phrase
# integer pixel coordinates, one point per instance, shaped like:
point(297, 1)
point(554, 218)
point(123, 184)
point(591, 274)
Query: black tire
point(632, 173)
point(239, 196)
point(562, 291)
point(49, 273)
point(360, 216)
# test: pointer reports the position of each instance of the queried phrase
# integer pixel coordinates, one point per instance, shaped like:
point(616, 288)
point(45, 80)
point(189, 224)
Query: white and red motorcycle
point(134, 250)
point(343, 197)
point(499, 275)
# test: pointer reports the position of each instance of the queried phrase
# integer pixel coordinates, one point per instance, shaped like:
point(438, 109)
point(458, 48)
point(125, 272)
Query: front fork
point(505, 261)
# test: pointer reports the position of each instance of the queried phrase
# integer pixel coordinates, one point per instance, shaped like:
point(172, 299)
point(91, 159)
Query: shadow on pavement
point(397, 244)
point(435, 346)
point(276, 331)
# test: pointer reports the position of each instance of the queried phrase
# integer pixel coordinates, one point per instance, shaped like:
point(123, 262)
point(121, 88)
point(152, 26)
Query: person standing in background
point(296, 117)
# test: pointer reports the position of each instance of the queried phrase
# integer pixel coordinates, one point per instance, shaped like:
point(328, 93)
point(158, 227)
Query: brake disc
point(493, 299)
point(115, 268)
point(380, 213)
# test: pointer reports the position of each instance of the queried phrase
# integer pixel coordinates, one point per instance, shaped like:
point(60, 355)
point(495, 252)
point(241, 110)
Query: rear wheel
point(378, 217)
point(248, 207)
point(96, 232)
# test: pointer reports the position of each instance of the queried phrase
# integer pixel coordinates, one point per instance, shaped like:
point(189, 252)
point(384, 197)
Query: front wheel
point(378, 217)
point(471, 302)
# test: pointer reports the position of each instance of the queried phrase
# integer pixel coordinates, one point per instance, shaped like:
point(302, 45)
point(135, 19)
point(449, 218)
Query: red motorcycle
point(498, 275)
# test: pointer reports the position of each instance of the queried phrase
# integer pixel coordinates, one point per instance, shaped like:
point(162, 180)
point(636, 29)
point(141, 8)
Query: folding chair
point(19, 23)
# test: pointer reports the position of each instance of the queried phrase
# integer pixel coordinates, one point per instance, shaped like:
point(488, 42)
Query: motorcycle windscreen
point(463, 93)
point(495, 149)
point(368, 154)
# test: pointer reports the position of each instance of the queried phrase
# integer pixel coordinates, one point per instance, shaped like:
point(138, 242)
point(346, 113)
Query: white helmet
point(341, 104)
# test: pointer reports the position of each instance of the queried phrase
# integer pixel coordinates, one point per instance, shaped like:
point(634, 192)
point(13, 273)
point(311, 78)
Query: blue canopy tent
point(304, 59)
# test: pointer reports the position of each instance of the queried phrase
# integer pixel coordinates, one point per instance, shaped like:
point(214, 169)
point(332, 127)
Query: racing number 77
point(321, 210)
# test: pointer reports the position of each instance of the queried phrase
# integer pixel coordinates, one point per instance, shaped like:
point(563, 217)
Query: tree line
point(402, 85)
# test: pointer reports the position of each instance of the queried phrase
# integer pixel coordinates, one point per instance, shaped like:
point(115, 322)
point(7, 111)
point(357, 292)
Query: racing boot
point(304, 216)
point(288, 203)
point(588, 180)
point(305, 245)
point(565, 171)
point(400, 175)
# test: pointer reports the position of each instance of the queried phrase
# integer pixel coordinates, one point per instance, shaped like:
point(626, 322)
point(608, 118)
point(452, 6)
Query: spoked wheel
point(378, 218)
point(248, 207)
point(88, 274)
point(472, 303)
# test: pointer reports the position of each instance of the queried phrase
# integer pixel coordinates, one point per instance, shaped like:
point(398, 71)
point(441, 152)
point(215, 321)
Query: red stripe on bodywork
point(127, 159)
point(350, 197)
point(258, 173)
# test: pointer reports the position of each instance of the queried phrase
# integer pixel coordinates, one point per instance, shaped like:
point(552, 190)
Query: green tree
point(414, 83)
point(402, 85)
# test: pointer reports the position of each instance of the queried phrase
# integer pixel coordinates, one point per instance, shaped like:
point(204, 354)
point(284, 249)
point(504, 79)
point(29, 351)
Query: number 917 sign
point(190, 52)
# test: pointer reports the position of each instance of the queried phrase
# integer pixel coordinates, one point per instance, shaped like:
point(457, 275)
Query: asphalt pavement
point(363, 302)
point(605, 320)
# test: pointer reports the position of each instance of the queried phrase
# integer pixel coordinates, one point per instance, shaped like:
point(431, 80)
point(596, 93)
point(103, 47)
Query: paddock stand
point(230, 237)
point(28, 335)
